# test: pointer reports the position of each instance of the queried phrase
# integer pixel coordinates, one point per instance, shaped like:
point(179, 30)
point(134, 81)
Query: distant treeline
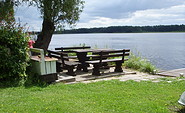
point(127, 29)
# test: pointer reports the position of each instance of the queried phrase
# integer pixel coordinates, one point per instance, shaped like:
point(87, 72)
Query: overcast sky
point(103, 13)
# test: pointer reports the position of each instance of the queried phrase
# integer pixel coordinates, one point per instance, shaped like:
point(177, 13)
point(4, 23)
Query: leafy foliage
point(13, 44)
point(13, 51)
point(59, 12)
point(140, 64)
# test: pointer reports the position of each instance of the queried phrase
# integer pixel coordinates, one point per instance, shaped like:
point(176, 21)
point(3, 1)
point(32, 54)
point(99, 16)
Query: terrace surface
point(109, 74)
point(173, 73)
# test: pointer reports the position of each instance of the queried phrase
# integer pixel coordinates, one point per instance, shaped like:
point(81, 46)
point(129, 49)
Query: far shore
point(120, 32)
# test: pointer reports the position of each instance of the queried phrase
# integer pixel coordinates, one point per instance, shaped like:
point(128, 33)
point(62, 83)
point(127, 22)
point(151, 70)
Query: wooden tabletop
point(91, 50)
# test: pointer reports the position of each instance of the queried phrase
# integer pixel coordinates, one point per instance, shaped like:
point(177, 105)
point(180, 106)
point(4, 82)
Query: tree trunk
point(45, 36)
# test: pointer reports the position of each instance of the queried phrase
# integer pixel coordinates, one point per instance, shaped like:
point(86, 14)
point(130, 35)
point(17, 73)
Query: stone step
point(65, 79)
point(173, 73)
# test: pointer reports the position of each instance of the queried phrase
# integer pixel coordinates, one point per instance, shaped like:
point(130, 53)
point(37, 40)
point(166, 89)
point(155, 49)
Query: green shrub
point(13, 51)
point(137, 63)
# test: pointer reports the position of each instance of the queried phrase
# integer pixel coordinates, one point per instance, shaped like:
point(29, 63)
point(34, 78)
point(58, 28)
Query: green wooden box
point(44, 66)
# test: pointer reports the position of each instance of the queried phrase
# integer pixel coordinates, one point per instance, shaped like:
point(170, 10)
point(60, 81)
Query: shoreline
point(118, 33)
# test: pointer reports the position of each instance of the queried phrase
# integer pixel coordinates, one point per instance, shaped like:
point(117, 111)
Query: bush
point(137, 63)
point(13, 52)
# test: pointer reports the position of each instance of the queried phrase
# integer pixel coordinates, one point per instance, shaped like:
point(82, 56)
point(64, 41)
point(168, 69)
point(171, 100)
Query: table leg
point(82, 57)
point(118, 67)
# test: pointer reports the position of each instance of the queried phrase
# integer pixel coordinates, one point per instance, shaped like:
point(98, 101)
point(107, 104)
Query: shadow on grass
point(31, 80)
point(34, 80)
point(27, 82)
point(10, 82)
point(181, 110)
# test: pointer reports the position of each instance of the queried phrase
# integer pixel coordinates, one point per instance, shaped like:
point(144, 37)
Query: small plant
point(137, 63)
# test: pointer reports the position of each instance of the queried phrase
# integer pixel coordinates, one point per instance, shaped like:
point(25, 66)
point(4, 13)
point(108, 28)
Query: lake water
point(165, 50)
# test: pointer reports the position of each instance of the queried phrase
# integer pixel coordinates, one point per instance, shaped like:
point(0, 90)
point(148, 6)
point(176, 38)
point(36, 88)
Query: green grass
point(100, 97)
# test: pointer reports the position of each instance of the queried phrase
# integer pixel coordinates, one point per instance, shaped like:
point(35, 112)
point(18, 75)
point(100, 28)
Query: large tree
point(56, 13)
point(7, 11)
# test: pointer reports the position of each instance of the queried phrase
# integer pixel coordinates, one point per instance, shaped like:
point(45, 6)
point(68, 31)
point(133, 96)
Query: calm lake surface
point(165, 50)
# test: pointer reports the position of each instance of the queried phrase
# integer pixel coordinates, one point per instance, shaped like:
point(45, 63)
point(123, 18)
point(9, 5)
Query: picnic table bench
point(71, 50)
point(116, 56)
point(82, 55)
point(63, 62)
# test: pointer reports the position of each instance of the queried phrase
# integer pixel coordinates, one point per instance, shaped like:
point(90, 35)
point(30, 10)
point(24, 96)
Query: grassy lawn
point(104, 96)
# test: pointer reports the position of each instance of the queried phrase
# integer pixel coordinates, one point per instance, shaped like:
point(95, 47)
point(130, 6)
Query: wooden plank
point(42, 67)
point(68, 48)
point(47, 67)
point(53, 67)
point(37, 58)
point(36, 50)
point(104, 61)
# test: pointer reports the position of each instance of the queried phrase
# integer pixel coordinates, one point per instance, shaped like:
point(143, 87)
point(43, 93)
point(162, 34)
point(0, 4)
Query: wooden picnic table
point(82, 57)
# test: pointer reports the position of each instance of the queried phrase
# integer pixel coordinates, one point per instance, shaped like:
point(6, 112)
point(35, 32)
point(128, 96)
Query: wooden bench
point(71, 50)
point(116, 56)
point(43, 66)
point(63, 62)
